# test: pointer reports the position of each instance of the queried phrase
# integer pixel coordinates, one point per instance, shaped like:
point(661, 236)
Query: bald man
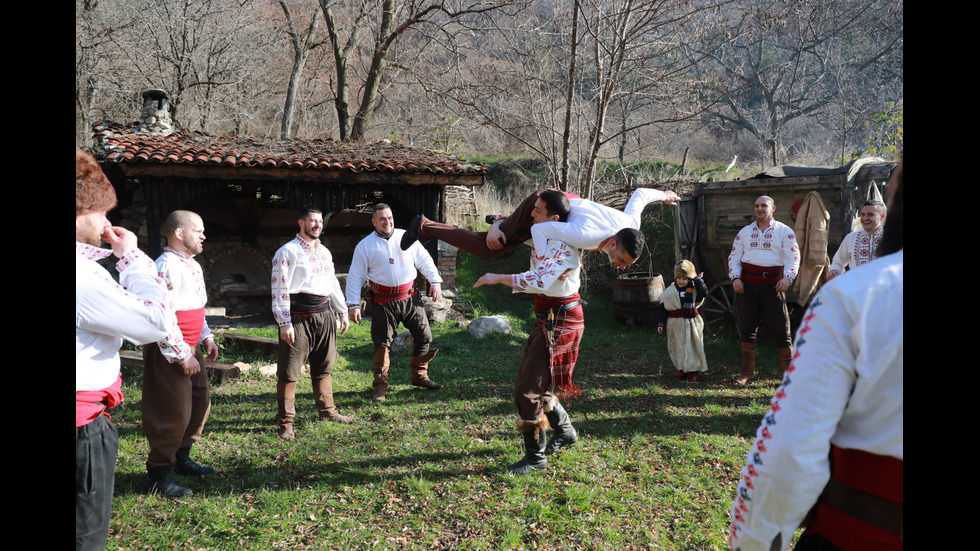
point(764, 261)
point(176, 395)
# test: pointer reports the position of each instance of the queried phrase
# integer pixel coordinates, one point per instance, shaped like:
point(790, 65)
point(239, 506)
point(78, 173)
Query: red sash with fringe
point(566, 339)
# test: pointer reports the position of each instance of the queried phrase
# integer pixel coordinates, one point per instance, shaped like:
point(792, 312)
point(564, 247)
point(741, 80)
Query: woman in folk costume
point(685, 328)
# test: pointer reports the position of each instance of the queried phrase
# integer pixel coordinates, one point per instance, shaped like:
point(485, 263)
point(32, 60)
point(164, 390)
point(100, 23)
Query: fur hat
point(685, 268)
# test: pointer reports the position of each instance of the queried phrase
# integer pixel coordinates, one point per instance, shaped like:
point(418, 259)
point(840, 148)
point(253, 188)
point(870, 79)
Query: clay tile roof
point(124, 144)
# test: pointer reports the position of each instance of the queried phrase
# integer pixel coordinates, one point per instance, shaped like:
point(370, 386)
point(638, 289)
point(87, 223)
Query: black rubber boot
point(411, 233)
point(534, 459)
point(161, 482)
point(565, 434)
point(186, 465)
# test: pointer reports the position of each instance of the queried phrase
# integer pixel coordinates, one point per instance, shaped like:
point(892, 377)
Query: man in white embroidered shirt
point(589, 226)
point(306, 302)
point(860, 247)
point(552, 347)
point(393, 298)
point(106, 312)
point(764, 261)
point(176, 395)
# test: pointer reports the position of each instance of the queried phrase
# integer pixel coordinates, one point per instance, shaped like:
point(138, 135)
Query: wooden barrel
point(636, 298)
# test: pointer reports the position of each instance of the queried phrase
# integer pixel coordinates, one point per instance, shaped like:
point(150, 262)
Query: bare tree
point(780, 62)
point(557, 74)
point(303, 42)
point(391, 22)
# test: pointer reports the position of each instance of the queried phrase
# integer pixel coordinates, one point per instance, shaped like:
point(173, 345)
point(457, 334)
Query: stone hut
point(248, 191)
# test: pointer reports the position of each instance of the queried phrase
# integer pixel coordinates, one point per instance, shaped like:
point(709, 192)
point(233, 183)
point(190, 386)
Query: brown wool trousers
point(516, 229)
point(175, 406)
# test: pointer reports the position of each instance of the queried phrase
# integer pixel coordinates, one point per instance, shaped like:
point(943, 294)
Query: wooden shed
point(248, 191)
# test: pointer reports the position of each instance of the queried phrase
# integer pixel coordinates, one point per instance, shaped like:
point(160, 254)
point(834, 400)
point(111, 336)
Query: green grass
point(656, 466)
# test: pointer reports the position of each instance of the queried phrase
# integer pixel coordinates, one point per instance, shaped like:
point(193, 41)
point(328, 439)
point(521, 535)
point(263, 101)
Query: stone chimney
point(155, 115)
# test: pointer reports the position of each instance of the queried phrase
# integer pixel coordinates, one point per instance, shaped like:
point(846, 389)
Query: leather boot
point(323, 396)
point(286, 400)
point(565, 434)
point(161, 482)
point(411, 233)
point(381, 362)
point(785, 357)
point(186, 465)
point(748, 364)
point(534, 444)
point(420, 370)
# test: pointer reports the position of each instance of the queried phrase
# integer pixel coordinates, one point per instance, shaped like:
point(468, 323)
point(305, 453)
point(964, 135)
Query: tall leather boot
point(748, 364)
point(420, 370)
point(381, 362)
point(785, 357)
point(565, 434)
point(186, 465)
point(286, 400)
point(163, 483)
point(534, 443)
point(323, 396)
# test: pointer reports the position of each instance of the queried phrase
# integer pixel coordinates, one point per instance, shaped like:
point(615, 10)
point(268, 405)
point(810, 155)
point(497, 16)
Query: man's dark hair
point(556, 203)
point(307, 210)
point(878, 205)
point(631, 241)
point(893, 238)
point(380, 206)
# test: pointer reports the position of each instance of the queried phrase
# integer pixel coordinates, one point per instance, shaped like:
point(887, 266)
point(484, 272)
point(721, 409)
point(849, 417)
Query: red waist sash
point(863, 505)
point(89, 404)
point(191, 323)
point(761, 275)
point(382, 294)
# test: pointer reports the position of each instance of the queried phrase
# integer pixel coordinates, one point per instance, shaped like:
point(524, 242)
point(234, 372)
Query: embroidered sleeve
point(557, 259)
point(173, 347)
point(134, 309)
point(282, 271)
point(787, 466)
point(791, 252)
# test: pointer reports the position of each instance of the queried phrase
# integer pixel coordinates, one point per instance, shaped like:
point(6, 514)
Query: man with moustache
point(106, 312)
point(393, 298)
point(176, 394)
point(764, 261)
point(860, 247)
point(306, 302)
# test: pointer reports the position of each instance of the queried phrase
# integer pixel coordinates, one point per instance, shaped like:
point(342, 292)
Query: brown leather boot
point(323, 396)
point(748, 364)
point(381, 362)
point(785, 357)
point(420, 370)
point(286, 400)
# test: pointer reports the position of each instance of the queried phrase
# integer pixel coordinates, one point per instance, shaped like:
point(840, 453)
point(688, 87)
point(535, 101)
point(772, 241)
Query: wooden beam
point(198, 172)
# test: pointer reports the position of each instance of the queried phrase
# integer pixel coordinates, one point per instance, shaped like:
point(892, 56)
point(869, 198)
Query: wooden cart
point(707, 222)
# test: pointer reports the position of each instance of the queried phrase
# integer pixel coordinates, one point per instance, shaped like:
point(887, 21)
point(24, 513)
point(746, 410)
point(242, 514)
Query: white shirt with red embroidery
point(857, 248)
point(546, 270)
point(385, 263)
point(107, 312)
point(185, 283)
point(303, 267)
point(589, 223)
point(774, 246)
point(843, 387)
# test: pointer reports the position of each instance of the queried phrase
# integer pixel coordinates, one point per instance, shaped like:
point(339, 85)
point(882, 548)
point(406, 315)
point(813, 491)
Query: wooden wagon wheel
point(718, 311)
